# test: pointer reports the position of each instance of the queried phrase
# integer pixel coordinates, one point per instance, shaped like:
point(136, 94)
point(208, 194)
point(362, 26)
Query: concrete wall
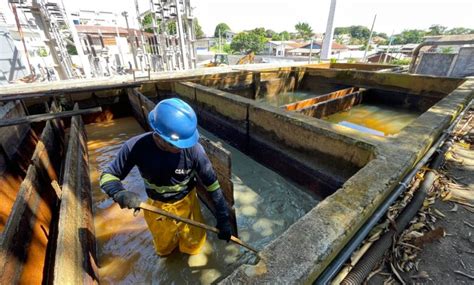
point(254, 127)
point(422, 85)
point(442, 64)
point(464, 65)
point(310, 244)
point(435, 63)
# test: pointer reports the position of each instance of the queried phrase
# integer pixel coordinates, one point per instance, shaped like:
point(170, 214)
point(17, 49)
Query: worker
point(169, 158)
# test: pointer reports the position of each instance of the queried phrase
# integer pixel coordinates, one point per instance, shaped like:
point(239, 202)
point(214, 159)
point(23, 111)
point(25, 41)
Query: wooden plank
point(25, 260)
point(73, 262)
point(11, 137)
point(219, 157)
point(46, 94)
point(48, 116)
point(311, 101)
point(333, 106)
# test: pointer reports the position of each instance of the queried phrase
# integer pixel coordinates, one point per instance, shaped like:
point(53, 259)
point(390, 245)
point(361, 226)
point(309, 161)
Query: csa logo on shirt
point(182, 171)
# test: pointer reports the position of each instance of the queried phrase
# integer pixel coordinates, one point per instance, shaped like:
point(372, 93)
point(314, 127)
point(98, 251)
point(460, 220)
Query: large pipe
point(358, 274)
point(334, 267)
point(416, 51)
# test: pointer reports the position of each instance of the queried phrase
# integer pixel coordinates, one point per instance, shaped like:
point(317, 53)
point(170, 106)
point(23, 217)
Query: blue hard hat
point(175, 122)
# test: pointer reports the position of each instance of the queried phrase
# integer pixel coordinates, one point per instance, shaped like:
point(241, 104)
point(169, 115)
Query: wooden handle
point(159, 211)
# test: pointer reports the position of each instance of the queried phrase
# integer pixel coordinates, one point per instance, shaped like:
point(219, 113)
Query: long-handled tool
point(159, 211)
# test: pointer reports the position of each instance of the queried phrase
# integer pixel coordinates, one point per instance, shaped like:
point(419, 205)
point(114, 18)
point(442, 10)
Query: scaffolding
point(55, 26)
point(173, 51)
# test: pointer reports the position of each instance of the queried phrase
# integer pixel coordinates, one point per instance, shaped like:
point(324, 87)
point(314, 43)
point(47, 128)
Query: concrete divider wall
point(260, 121)
point(297, 132)
point(362, 66)
point(225, 104)
point(399, 99)
point(421, 85)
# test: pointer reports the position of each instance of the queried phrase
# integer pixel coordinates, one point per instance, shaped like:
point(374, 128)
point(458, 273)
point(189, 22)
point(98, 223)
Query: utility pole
point(310, 51)
point(132, 41)
point(140, 26)
point(181, 35)
point(388, 48)
point(370, 38)
point(118, 41)
point(327, 42)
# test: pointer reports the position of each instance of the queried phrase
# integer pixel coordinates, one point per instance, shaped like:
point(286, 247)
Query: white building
point(94, 18)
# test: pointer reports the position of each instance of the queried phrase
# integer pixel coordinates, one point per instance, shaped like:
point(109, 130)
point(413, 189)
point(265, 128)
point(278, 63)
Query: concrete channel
point(279, 117)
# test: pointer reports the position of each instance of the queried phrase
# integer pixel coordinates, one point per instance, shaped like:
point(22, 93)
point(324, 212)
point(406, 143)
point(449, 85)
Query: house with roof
point(315, 48)
point(280, 48)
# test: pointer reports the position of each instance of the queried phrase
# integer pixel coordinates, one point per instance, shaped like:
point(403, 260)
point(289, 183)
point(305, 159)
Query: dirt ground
point(447, 259)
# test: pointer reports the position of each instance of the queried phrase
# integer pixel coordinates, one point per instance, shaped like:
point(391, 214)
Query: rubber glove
point(127, 199)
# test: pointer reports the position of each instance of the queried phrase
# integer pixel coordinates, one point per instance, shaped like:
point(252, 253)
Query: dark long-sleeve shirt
point(168, 176)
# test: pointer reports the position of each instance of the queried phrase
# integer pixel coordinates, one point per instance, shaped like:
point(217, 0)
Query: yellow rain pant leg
point(168, 233)
point(163, 230)
point(191, 238)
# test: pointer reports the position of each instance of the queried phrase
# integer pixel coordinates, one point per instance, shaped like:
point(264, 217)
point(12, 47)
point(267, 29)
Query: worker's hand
point(225, 230)
point(127, 199)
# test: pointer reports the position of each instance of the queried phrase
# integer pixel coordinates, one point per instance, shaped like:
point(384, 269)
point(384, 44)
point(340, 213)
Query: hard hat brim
point(183, 143)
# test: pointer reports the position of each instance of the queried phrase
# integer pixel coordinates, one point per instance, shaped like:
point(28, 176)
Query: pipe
point(358, 274)
point(332, 269)
point(416, 51)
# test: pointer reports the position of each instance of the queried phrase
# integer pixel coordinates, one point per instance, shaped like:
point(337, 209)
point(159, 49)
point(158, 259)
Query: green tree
point(259, 31)
point(341, 31)
point(338, 39)
point(282, 36)
point(246, 42)
point(304, 30)
point(270, 33)
point(409, 37)
point(222, 27)
point(172, 28)
point(147, 23)
point(359, 32)
point(459, 31)
point(198, 29)
point(435, 30)
point(356, 32)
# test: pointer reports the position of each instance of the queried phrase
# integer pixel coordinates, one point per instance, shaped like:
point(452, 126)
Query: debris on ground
point(437, 245)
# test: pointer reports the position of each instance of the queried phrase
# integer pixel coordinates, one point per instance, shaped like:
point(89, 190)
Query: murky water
point(378, 120)
point(266, 205)
point(286, 98)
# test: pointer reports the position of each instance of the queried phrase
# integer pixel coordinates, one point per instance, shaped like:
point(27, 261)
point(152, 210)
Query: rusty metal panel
point(333, 106)
point(311, 101)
